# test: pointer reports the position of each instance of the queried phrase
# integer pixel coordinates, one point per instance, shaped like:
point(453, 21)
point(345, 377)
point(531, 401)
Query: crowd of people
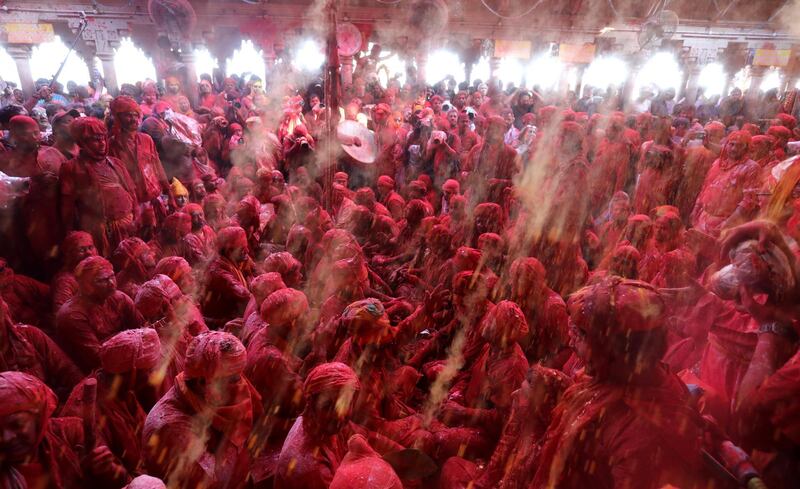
point(513, 294)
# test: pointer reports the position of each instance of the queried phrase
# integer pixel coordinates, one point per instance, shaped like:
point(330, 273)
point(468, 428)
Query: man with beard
point(137, 151)
point(725, 185)
point(97, 193)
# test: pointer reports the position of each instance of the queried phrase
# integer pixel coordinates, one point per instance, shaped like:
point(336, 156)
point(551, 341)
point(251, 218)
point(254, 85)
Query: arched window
point(8, 69)
point(442, 63)
point(741, 79)
point(309, 56)
point(246, 61)
point(131, 64)
point(204, 62)
point(604, 72)
point(712, 79)
point(773, 79)
point(46, 58)
point(660, 72)
point(544, 71)
point(482, 70)
point(510, 71)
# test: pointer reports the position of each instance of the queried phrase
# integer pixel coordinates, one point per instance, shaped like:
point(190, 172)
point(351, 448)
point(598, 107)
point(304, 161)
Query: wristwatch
point(779, 329)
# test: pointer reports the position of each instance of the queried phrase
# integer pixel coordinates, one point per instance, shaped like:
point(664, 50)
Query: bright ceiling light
point(310, 56)
point(604, 72)
point(544, 72)
point(131, 64)
point(712, 79)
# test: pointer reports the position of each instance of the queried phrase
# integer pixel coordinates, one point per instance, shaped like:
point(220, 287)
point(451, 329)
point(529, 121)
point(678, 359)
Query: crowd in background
point(513, 290)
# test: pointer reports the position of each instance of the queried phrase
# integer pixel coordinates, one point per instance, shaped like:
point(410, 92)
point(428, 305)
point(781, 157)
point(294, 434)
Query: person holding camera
point(442, 153)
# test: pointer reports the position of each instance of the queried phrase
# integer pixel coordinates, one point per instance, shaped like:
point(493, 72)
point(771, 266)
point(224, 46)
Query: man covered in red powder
point(668, 259)
point(697, 159)
point(513, 462)
point(28, 349)
point(659, 170)
point(38, 450)
point(98, 312)
point(128, 358)
point(226, 293)
point(544, 311)
point(725, 185)
point(75, 247)
point(390, 199)
point(481, 397)
point(316, 444)
point(137, 151)
point(611, 168)
point(196, 436)
point(627, 423)
point(272, 361)
point(380, 405)
point(97, 193)
point(490, 159)
point(36, 217)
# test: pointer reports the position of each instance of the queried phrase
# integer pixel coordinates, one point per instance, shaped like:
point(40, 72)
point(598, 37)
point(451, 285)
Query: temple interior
point(399, 244)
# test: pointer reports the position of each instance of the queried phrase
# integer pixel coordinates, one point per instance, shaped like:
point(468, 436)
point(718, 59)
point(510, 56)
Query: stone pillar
point(691, 86)
point(21, 54)
point(494, 66)
point(109, 73)
point(269, 57)
point(756, 77)
point(627, 90)
point(347, 71)
point(190, 83)
point(578, 79)
point(422, 60)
